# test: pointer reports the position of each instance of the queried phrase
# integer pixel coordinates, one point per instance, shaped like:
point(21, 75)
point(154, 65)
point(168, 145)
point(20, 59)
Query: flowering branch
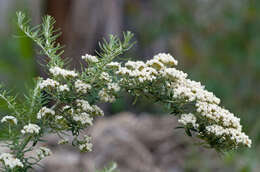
point(66, 101)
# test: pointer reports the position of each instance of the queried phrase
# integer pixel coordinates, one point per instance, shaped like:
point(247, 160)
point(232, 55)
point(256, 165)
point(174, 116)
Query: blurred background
point(215, 42)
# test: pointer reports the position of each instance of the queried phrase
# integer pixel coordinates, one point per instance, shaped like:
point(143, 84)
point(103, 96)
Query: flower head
point(45, 111)
point(31, 129)
point(42, 152)
point(10, 161)
point(90, 58)
point(9, 119)
point(57, 71)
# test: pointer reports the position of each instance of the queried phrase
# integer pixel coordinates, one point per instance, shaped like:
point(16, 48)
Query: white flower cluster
point(85, 145)
point(63, 88)
point(113, 65)
point(48, 83)
point(58, 117)
point(139, 65)
point(113, 87)
point(45, 111)
point(191, 90)
point(96, 111)
point(52, 84)
point(166, 59)
point(188, 119)
point(229, 133)
point(173, 74)
point(84, 105)
point(219, 115)
point(42, 152)
point(81, 87)
point(184, 90)
point(63, 141)
point(105, 96)
point(10, 161)
point(138, 70)
point(10, 119)
point(57, 71)
point(89, 58)
point(84, 112)
point(83, 118)
point(31, 129)
point(105, 77)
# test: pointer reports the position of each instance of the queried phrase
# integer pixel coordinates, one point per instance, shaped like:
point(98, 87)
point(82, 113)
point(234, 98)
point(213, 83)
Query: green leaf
point(187, 130)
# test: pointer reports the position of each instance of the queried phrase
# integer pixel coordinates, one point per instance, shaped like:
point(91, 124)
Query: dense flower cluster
point(57, 71)
point(31, 129)
point(10, 161)
point(78, 113)
point(208, 118)
point(110, 89)
point(81, 87)
point(188, 119)
point(48, 83)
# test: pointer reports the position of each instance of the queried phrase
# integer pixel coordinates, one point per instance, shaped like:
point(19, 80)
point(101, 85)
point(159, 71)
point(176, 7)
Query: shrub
point(66, 101)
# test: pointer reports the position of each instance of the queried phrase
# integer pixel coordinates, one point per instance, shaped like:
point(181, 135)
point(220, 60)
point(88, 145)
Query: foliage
point(111, 168)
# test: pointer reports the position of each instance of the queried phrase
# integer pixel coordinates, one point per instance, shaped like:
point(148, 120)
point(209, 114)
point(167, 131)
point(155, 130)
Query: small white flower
point(188, 119)
point(66, 107)
point(58, 117)
point(97, 111)
point(166, 59)
point(113, 65)
point(105, 76)
point(81, 87)
point(113, 86)
point(138, 65)
point(63, 88)
point(84, 105)
point(90, 58)
point(31, 129)
point(156, 64)
point(57, 71)
point(106, 97)
point(85, 145)
point(174, 74)
point(45, 111)
point(10, 119)
point(63, 141)
point(83, 118)
point(10, 161)
point(48, 83)
point(42, 152)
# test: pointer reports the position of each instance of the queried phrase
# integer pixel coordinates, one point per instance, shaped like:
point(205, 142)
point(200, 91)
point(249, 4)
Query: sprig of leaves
point(44, 36)
point(114, 46)
point(10, 101)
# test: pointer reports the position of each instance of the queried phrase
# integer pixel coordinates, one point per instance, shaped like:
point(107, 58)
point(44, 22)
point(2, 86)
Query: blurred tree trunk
point(84, 22)
point(60, 10)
